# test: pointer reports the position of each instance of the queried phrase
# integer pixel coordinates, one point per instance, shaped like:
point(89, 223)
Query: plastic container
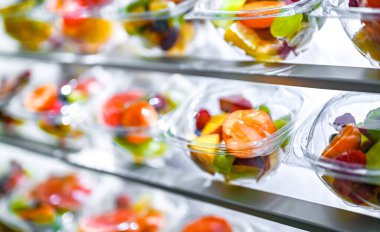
point(245, 144)
point(82, 27)
point(55, 107)
point(52, 204)
point(361, 22)
point(129, 117)
point(158, 28)
point(341, 143)
point(12, 177)
point(265, 30)
point(128, 207)
point(27, 23)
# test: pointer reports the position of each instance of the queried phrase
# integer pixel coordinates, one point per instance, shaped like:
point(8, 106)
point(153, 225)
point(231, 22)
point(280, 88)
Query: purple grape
point(257, 162)
point(343, 120)
point(355, 3)
point(169, 39)
point(285, 49)
point(159, 102)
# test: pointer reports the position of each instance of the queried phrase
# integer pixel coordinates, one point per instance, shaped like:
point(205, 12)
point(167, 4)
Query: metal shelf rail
point(302, 75)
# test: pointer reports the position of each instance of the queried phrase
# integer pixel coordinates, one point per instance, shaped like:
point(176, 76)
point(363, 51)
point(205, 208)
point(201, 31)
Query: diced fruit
point(114, 107)
point(214, 126)
point(159, 102)
point(43, 214)
point(232, 5)
point(139, 114)
point(123, 201)
point(152, 221)
point(372, 124)
point(244, 127)
point(343, 120)
point(58, 192)
point(203, 151)
point(42, 98)
point(265, 109)
point(353, 157)
point(355, 3)
point(223, 163)
point(233, 103)
point(249, 40)
point(208, 224)
point(281, 122)
point(260, 23)
point(367, 42)
point(202, 118)
point(373, 157)
point(348, 139)
point(372, 3)
point(108, 221)
point(283, 27)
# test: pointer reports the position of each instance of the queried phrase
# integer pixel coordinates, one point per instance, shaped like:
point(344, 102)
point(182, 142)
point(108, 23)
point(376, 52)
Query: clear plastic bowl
point(53, 206)
point(136, 144)
point(264, 30)
point(161, 31)
point(361, 24)
point(249, 161)
point(82, 29)
point(27, 23)
point(352, 175)
point(58, 117)
point(120, 196)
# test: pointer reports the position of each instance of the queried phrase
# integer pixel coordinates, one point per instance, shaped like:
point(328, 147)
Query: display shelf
point(345, 78)
point(184, 181)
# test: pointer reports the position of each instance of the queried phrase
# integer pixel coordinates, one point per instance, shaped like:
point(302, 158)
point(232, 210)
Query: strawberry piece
point(114, 107)
point(233, 103)
point(202, 118)
point(353, 157)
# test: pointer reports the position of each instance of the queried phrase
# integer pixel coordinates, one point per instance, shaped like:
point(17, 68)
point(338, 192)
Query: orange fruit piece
point(208, 224)
point(139, 114)
point(42, 98)
point(348, 139)
point(260, 23)
point(246, 126)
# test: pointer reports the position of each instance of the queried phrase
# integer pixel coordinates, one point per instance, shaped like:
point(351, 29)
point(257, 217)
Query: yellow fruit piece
point(249, 40)
point(19, 7)
point(214, 125)
point(186, 35)
point(204, 156)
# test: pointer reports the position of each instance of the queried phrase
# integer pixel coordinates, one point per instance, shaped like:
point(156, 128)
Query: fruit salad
point(12, 178)
point(226, 141)
point(132, 118)
point(355, 146)
point(272, 30)
point(366, 33)
point(86, 32)
point(208, 224)
point(163, 29)
point(126, 216)
point(236, 131)
point(45, 204)
point(22, 24)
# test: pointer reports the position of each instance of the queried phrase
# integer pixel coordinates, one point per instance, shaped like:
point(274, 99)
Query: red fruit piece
point(353, 157)
point(372, 3)
point(233, 103)
point(114, 107)
point(202, 118)
point(123, 201)
point(139, 114)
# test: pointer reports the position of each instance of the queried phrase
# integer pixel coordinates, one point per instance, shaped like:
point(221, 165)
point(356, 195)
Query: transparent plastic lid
point(322, 134)
point(238, 10)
